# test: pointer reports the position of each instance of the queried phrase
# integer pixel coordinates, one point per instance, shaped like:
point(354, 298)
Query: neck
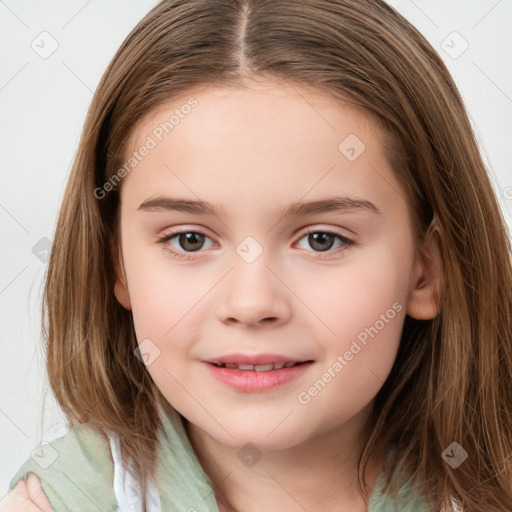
point(319, 474)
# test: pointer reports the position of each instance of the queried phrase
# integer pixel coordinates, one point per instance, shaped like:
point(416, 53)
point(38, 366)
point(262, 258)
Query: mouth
point(259, 367)
point(257, 374)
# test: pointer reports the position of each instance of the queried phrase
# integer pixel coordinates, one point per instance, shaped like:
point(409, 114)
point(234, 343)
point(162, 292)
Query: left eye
point(323, 241)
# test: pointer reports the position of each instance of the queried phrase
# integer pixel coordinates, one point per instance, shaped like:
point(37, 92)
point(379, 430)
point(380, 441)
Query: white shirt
point(126, 488)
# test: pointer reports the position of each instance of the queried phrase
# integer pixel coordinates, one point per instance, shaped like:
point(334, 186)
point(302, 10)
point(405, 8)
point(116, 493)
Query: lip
point(255, 359)
point(251, 381)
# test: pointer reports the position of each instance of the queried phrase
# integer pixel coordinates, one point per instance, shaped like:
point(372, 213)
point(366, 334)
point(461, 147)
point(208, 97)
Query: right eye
point(188, 241)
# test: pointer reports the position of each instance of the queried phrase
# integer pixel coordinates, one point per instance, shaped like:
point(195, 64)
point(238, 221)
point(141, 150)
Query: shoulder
point(75, 471)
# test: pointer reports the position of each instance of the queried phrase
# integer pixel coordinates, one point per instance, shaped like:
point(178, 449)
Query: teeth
point(256, 367)
point(264, 367)
point(245, 366)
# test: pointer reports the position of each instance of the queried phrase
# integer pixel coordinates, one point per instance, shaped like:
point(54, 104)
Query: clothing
point(87, 475)
point(126, 488)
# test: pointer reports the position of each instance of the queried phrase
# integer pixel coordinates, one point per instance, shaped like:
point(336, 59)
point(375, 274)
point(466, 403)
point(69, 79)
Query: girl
point(280, 278)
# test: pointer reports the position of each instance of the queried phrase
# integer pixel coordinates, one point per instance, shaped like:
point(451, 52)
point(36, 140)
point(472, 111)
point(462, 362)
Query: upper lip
point(255, 359)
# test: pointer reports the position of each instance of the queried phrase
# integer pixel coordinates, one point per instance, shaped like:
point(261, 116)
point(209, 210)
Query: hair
point(458, 366)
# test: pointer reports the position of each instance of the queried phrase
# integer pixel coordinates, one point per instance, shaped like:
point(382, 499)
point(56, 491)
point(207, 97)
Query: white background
point(43, 103)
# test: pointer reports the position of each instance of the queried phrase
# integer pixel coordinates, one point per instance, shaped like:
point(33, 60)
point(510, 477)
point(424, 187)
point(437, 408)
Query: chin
point(260, 436)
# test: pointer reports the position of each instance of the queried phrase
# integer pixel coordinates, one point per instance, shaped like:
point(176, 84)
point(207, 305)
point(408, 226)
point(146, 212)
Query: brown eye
point(183, 244)
point(321, 241)
point(324, 241)
point(191, 241)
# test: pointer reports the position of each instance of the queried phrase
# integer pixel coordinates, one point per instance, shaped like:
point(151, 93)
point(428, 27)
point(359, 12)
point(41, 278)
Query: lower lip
point(250, 381)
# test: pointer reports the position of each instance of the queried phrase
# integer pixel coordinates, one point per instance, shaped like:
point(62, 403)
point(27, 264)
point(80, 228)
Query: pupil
point(191, 238)
point(314, 238)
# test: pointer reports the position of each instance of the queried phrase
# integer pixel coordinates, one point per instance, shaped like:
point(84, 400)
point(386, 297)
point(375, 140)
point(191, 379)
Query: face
point(305, 255)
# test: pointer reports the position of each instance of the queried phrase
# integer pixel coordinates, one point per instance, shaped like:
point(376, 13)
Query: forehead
point(269, 108)
point(264, 138)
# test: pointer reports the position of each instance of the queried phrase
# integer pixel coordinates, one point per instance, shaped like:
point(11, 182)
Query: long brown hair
point(452, 378)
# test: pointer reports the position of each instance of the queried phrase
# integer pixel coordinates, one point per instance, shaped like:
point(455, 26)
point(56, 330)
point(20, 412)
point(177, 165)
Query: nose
point(254, 294)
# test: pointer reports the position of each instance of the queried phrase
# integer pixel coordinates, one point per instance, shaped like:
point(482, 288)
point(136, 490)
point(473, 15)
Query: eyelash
point(189, 255)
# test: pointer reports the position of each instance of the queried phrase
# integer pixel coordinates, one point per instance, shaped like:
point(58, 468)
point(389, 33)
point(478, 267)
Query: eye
point(323, 241)
point(187, 242)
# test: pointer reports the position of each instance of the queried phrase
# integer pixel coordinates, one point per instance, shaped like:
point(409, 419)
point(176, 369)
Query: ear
point(120, 285)
point(424, 298)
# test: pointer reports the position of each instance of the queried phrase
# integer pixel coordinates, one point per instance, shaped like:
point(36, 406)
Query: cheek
point(163, 305)
point(362, 310)
point(158, 290)
point(352, 297)
point(170, 303)
point(165, 308)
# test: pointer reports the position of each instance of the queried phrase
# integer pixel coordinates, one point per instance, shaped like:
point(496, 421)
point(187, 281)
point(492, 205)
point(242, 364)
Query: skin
point(255, 149)
point(27, 496)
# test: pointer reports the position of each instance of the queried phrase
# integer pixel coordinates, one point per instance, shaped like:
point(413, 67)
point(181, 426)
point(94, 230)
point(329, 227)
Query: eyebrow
point(296, 209)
